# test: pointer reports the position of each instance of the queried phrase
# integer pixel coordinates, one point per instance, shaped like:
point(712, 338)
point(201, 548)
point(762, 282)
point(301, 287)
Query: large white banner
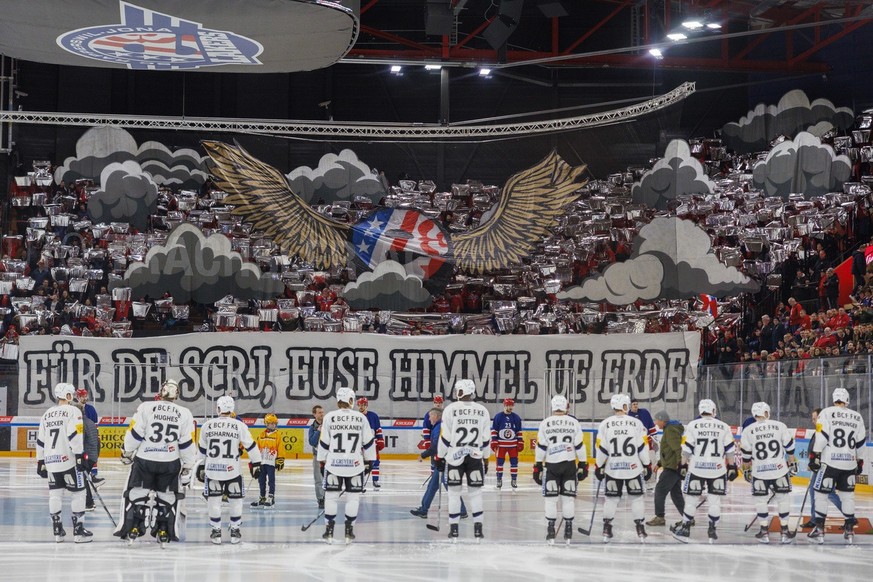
point(288, 373)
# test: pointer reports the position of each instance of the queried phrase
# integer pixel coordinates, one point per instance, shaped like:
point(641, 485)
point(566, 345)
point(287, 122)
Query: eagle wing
point(528, 206)
point(261, 195)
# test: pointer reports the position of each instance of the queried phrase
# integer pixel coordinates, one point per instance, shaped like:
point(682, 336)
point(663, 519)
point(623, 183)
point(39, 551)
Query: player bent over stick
point(218, 466)
point(764, 444)
point(622, 457)
point(159, 447)
point(707, 452)
point(59, 459)
point(465, 438)
point(346, 451)
point(839, 437)
point(560, 447)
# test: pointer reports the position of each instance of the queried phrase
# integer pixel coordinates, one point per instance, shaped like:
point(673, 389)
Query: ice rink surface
point(394, 545)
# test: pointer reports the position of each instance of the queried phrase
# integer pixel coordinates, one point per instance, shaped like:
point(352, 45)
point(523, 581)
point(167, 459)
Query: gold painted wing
point(261, 195)
point(528, 206)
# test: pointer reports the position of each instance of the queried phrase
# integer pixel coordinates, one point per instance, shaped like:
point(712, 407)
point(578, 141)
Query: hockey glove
point(599, 473)
point(41, 470)
point(792, 468)
point(484, 466)
point(683, 470)
point(648, 474)
point(440, 464)
point(582, 472)
point(860, 468)
point(80, 463)
point(494, 446)
point(732, 473)
point(185, 478)
point(201, 473)
point(321, 467)
point(814, 462)
point(280, 463)
point(255, 469)
point(368, 467)
point(380, 444)
point(127, 457)
point(747, 473)
point(538, 473)
point(520, 446)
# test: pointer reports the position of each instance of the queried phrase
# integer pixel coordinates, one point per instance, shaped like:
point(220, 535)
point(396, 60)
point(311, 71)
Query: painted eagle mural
point(528, 205)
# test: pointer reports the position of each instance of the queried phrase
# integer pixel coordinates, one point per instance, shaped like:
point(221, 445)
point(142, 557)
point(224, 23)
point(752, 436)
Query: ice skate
point(163, 538)
point(259, 503)
point(641, 530)
point(763, 535)
point(550, 532)
point(376, 484)
point(328, 532)
point(849, 530)
point(787, 536)
point(269, 502)
point(711, 533)
point(477, 532)
point(350, 532)
point(58, 528)
point(215, 536)
point(80, 534)
point(607, 530)
point(132, 535)
point(568, 530)
point(453, 532)
point(500, 483)
point(514, 485)
point(682, 532)
point(235, 535)
point(817, 533)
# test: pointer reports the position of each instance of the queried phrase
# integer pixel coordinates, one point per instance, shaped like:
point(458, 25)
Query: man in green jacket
point(673, 472)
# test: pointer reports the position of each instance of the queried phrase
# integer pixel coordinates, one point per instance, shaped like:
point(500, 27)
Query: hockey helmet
point(560, 403)
point(169, 390)
point(271, 419)
point(363, 401)
point(346, 395)
point(706, 406)
point(464, 388)
point(761, 409)
point(65, 391)
point(620, 402)
point(508, 402)
point(224, 404)
point(841, 395)
point(438, 399)
point(81, 393)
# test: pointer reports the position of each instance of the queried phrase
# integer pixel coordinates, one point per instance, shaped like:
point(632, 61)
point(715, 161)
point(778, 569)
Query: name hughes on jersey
point(166, 417)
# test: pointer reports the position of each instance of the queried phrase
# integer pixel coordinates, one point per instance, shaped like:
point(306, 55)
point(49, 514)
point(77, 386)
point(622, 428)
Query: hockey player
point(346, 451)
point(159, 446)
point(765, 444)
point(463, 451)
point(269, 442)
point(840, 435)
point(376, 427)
point(561, 448)
point(427, 426)
point(314, 436)
point(506, 439)
point(218, 466)
point(623, 463)
point(708, 454)
point(59, 459)
point(89, 412)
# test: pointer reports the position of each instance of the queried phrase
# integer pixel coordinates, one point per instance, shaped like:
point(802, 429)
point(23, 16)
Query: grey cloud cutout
point(337, 177)
point(193, 267)
point(126, 194)
point(794, 113)
point(387, 287)
point(678, 172)
point(804, 165)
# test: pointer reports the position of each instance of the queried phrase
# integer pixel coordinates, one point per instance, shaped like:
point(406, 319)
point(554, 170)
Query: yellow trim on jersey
point(79, 428)
point(682, 442)
point(818, 427)
point(645, 439)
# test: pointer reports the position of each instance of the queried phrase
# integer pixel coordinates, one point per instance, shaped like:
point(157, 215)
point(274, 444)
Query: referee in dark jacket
point(671, 477)
point(90, 452)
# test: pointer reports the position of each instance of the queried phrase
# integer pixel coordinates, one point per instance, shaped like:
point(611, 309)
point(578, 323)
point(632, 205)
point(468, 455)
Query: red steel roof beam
point(430, 51)
point(752, 45)
point(597, 27)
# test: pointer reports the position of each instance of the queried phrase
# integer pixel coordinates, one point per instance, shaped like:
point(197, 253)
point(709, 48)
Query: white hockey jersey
point(59, 437)
point(219, 446)
point(707, 441)
point(346, 442)
point(839, 437)
point(560, 438)
point(622, 447)
point(765, 443)
point(162, 431)
point(465, 432)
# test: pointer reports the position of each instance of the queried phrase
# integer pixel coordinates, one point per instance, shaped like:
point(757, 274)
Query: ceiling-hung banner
point(256, 36)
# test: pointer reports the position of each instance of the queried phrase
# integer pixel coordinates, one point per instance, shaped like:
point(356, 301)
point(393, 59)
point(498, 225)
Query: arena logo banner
point(288, 373)
point(266, 36)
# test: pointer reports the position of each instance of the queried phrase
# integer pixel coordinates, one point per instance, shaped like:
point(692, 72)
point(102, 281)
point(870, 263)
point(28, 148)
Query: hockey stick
point(306, 526)
point(426, 481)
point(751, 523)
point(799, 519)
point(90, 482)
point(587, 532)
point(439, 512)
